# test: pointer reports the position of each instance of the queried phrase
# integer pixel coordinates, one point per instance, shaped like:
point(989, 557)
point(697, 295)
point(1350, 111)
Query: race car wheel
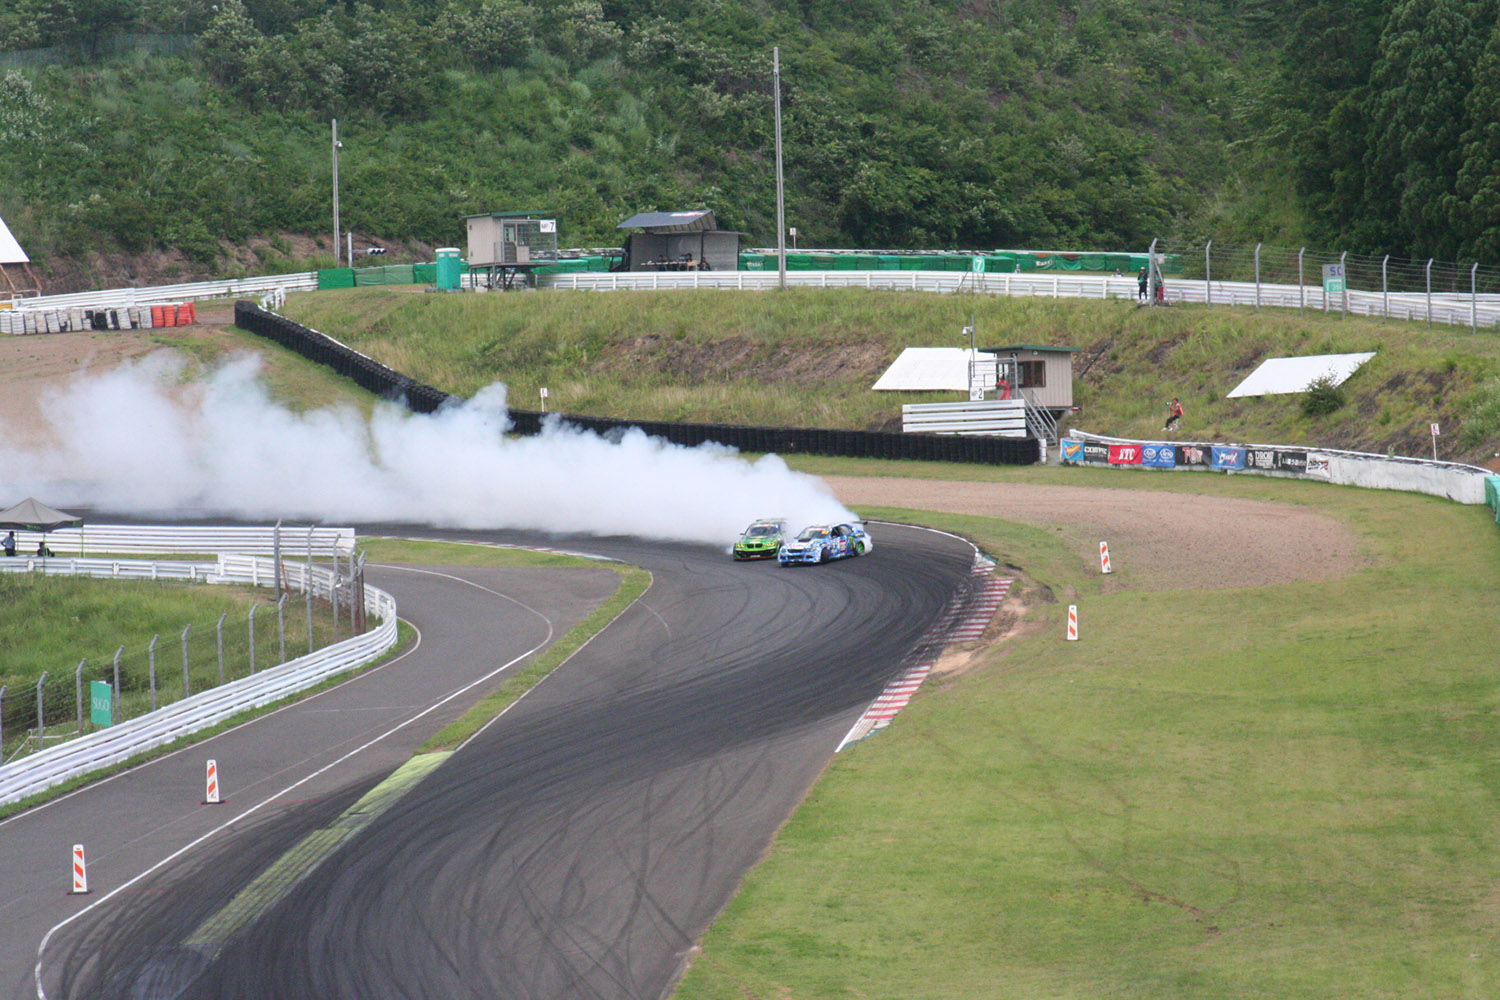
point(822, 555)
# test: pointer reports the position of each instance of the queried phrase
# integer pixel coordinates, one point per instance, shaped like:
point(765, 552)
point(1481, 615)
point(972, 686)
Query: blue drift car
point(822, 543)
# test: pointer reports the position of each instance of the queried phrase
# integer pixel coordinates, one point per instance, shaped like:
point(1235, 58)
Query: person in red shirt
point(1002, 388)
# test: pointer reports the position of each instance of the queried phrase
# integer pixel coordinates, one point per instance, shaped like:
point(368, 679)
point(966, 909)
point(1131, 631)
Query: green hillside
point(203, 128)
point(807, 357)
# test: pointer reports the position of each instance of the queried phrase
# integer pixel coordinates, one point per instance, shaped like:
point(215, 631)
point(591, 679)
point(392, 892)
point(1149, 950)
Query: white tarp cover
point(1283, 375)
point(921, 369)
point(10, 250)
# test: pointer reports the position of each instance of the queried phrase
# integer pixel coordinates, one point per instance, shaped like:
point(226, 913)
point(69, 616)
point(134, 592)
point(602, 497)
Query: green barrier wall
point(1492, 495)
point(336, 277)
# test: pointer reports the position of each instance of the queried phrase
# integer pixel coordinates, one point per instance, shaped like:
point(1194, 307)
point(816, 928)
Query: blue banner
point(1159, 456)
point(1072, 451)
point(1228, 458)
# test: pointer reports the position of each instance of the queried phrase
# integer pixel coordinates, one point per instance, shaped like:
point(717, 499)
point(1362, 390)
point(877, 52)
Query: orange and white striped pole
point(1104, 558)
point(1072, 623)
point(80, 873)
point(211, 797)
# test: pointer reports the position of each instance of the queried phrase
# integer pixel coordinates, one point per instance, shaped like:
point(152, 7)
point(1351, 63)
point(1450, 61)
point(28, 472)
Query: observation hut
point(503, 245)
point(679, 241)
point(1043, 375)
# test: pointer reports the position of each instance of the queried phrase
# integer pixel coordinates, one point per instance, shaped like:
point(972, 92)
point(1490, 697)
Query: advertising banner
point(1260, 458)
point(1095, 452)
point(1124, 454)
point(1292, 461)
point(1228, 458)
point(1317, 465)
point(1072, 451)
point(1159, 456)
point(1193, 454)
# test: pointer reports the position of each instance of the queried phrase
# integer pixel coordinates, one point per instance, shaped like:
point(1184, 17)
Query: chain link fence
point(110, 686)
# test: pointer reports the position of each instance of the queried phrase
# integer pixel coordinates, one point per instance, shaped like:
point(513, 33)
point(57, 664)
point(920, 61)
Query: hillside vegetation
point(807, 357)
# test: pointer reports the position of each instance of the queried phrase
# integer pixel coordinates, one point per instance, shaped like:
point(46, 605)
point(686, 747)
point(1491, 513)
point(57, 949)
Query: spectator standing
point(1142, 285)
point(10, 543)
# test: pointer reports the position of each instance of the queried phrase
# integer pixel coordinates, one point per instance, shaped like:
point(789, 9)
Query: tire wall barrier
point(420, 398)
point(1464, 484)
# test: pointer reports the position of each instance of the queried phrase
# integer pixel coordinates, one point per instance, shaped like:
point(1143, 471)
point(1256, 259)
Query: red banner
point(1124, 454)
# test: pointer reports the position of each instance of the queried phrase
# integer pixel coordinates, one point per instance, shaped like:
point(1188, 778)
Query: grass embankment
point(633, 583)
point(807, 357)
point(1279, 792)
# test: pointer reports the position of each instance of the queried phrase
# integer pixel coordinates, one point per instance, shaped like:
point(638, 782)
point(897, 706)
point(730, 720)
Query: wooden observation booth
point(679, 241)
point(1041, 374)
point(16, 278)
point(503, 245)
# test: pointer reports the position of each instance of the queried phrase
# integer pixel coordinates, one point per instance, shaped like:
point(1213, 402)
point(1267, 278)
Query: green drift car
point(762, 540)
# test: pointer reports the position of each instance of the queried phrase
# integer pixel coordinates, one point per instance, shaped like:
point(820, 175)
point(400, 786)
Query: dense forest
point(197, 125)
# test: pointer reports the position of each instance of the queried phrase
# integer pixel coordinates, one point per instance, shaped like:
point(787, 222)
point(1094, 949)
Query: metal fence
point(142, 676)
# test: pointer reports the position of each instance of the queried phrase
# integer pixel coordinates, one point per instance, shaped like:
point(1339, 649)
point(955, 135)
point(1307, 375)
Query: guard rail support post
point(117, 676)
point(1429, 291)
point(1301, 286)
point(2, 717)
point(252, 637)
point(1344, 298)
point(1257, 275)
point(187, 682)
point(1473, 299)
point(281, 626)
point(1208, 274)
point(41, 724)
point(219, 633)
point(151, 664)
point(309, 589)
point(78, 690)
point(333, 593)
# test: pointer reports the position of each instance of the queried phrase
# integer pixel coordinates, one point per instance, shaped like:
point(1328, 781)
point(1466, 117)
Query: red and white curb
point(900, 691)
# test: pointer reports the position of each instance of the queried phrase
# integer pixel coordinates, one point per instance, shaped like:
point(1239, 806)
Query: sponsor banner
point(1159, 456)
point(1317, 465)
point(1292, 461)
point(1193, 454)
point(1228, 458)
point(1124, 454)
point(1072, 451)
point(1095, 452)
point(1260, 458)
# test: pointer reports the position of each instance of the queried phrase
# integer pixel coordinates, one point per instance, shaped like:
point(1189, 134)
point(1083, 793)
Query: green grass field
point(807, 357)
point(1280, 792)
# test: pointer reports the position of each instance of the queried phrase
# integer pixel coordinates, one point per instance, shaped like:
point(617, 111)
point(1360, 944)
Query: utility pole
point(338, 230)
point(780, 192)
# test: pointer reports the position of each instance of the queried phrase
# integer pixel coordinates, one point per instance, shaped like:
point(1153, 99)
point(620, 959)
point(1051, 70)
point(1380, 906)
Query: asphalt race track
point(575, 849)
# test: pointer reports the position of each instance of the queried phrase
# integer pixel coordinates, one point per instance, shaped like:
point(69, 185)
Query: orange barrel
point(187, 313)
point(158, 316)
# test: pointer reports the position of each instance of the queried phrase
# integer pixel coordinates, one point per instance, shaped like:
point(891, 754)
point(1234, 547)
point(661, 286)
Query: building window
point(1033, 374)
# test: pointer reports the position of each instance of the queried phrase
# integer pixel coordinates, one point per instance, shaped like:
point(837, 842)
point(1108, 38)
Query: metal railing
point(170, 294)
point(156, 539)
point(106, 747)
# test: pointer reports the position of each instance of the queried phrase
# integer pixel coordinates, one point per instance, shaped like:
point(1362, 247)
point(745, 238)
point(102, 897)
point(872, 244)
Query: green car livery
point(762, 540)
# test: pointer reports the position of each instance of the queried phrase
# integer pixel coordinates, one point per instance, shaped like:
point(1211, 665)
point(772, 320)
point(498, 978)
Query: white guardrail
point(171, 294)
point(107, 747)
point(1451, 480)
point(128, 539)
point(1480, 311)
point(1002, 417)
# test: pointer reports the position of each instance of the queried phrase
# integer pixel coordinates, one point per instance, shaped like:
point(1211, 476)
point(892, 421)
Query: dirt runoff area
point(1167, 540)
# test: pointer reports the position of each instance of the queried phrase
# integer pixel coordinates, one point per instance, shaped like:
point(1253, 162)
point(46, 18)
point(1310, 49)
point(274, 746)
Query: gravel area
point(1167, 540)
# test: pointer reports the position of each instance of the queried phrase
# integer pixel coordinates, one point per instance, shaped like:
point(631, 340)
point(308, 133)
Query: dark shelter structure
point(679, 241)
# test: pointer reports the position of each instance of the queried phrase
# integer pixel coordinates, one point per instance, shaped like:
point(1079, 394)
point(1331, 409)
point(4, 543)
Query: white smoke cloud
point(135, 440)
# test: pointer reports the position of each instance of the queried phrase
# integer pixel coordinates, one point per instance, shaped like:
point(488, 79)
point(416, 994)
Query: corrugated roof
point(510, 215)
point(682, 222)
point(1030, 347)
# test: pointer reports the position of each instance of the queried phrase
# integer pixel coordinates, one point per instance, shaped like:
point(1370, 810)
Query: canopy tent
point(33, 515)
point(11, 255)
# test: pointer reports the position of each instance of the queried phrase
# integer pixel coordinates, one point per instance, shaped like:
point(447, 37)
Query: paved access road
point(577, 847)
